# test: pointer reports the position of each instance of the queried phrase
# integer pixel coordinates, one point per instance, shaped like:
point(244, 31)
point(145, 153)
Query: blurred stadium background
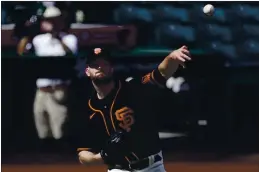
point(213, 116)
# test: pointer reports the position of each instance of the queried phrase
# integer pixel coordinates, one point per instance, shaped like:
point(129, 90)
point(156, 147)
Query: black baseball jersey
point(129, 107)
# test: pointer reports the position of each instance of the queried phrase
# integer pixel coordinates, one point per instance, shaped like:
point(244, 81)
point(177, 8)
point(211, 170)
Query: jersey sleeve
point(89, 140)
point(83, 130)
point(154, 78)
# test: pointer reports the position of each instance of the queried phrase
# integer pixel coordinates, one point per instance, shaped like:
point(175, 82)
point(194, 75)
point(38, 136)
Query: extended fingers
point(184, 47)
point(180, 58)
point(185, 51)
point(184, 56)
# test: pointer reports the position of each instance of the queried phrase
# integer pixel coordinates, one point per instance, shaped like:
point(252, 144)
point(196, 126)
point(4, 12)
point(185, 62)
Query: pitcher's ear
point(87, 71)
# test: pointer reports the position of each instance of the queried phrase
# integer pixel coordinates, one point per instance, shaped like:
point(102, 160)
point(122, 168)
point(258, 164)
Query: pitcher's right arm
point(87, 157)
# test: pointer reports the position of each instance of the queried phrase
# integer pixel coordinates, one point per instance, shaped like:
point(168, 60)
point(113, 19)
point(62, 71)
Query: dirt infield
point(170, 167)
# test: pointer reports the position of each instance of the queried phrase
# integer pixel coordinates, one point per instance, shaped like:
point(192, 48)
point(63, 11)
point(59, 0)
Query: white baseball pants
point(49, 114)
point(156, 167)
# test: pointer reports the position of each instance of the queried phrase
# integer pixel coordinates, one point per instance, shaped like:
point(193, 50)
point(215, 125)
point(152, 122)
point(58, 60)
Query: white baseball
point(208, 9)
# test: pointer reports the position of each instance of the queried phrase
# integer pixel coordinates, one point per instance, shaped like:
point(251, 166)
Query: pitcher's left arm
point(167, 67)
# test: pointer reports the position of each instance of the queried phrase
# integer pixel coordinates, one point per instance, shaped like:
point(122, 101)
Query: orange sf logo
point(125, 116)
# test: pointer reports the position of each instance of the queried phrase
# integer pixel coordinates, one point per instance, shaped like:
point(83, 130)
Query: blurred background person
point(50, 108)
point(26, 21)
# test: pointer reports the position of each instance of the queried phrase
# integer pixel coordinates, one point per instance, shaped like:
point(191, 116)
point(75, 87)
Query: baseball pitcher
point(122, 116)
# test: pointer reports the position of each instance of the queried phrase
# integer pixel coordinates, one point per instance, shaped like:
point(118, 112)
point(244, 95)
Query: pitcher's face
point(100, 69)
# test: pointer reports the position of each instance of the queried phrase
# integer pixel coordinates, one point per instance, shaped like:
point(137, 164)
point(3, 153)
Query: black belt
point(138, 165)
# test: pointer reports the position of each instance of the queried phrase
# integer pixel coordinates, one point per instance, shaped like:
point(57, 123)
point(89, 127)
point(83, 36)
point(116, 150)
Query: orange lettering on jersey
point(124, 115)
